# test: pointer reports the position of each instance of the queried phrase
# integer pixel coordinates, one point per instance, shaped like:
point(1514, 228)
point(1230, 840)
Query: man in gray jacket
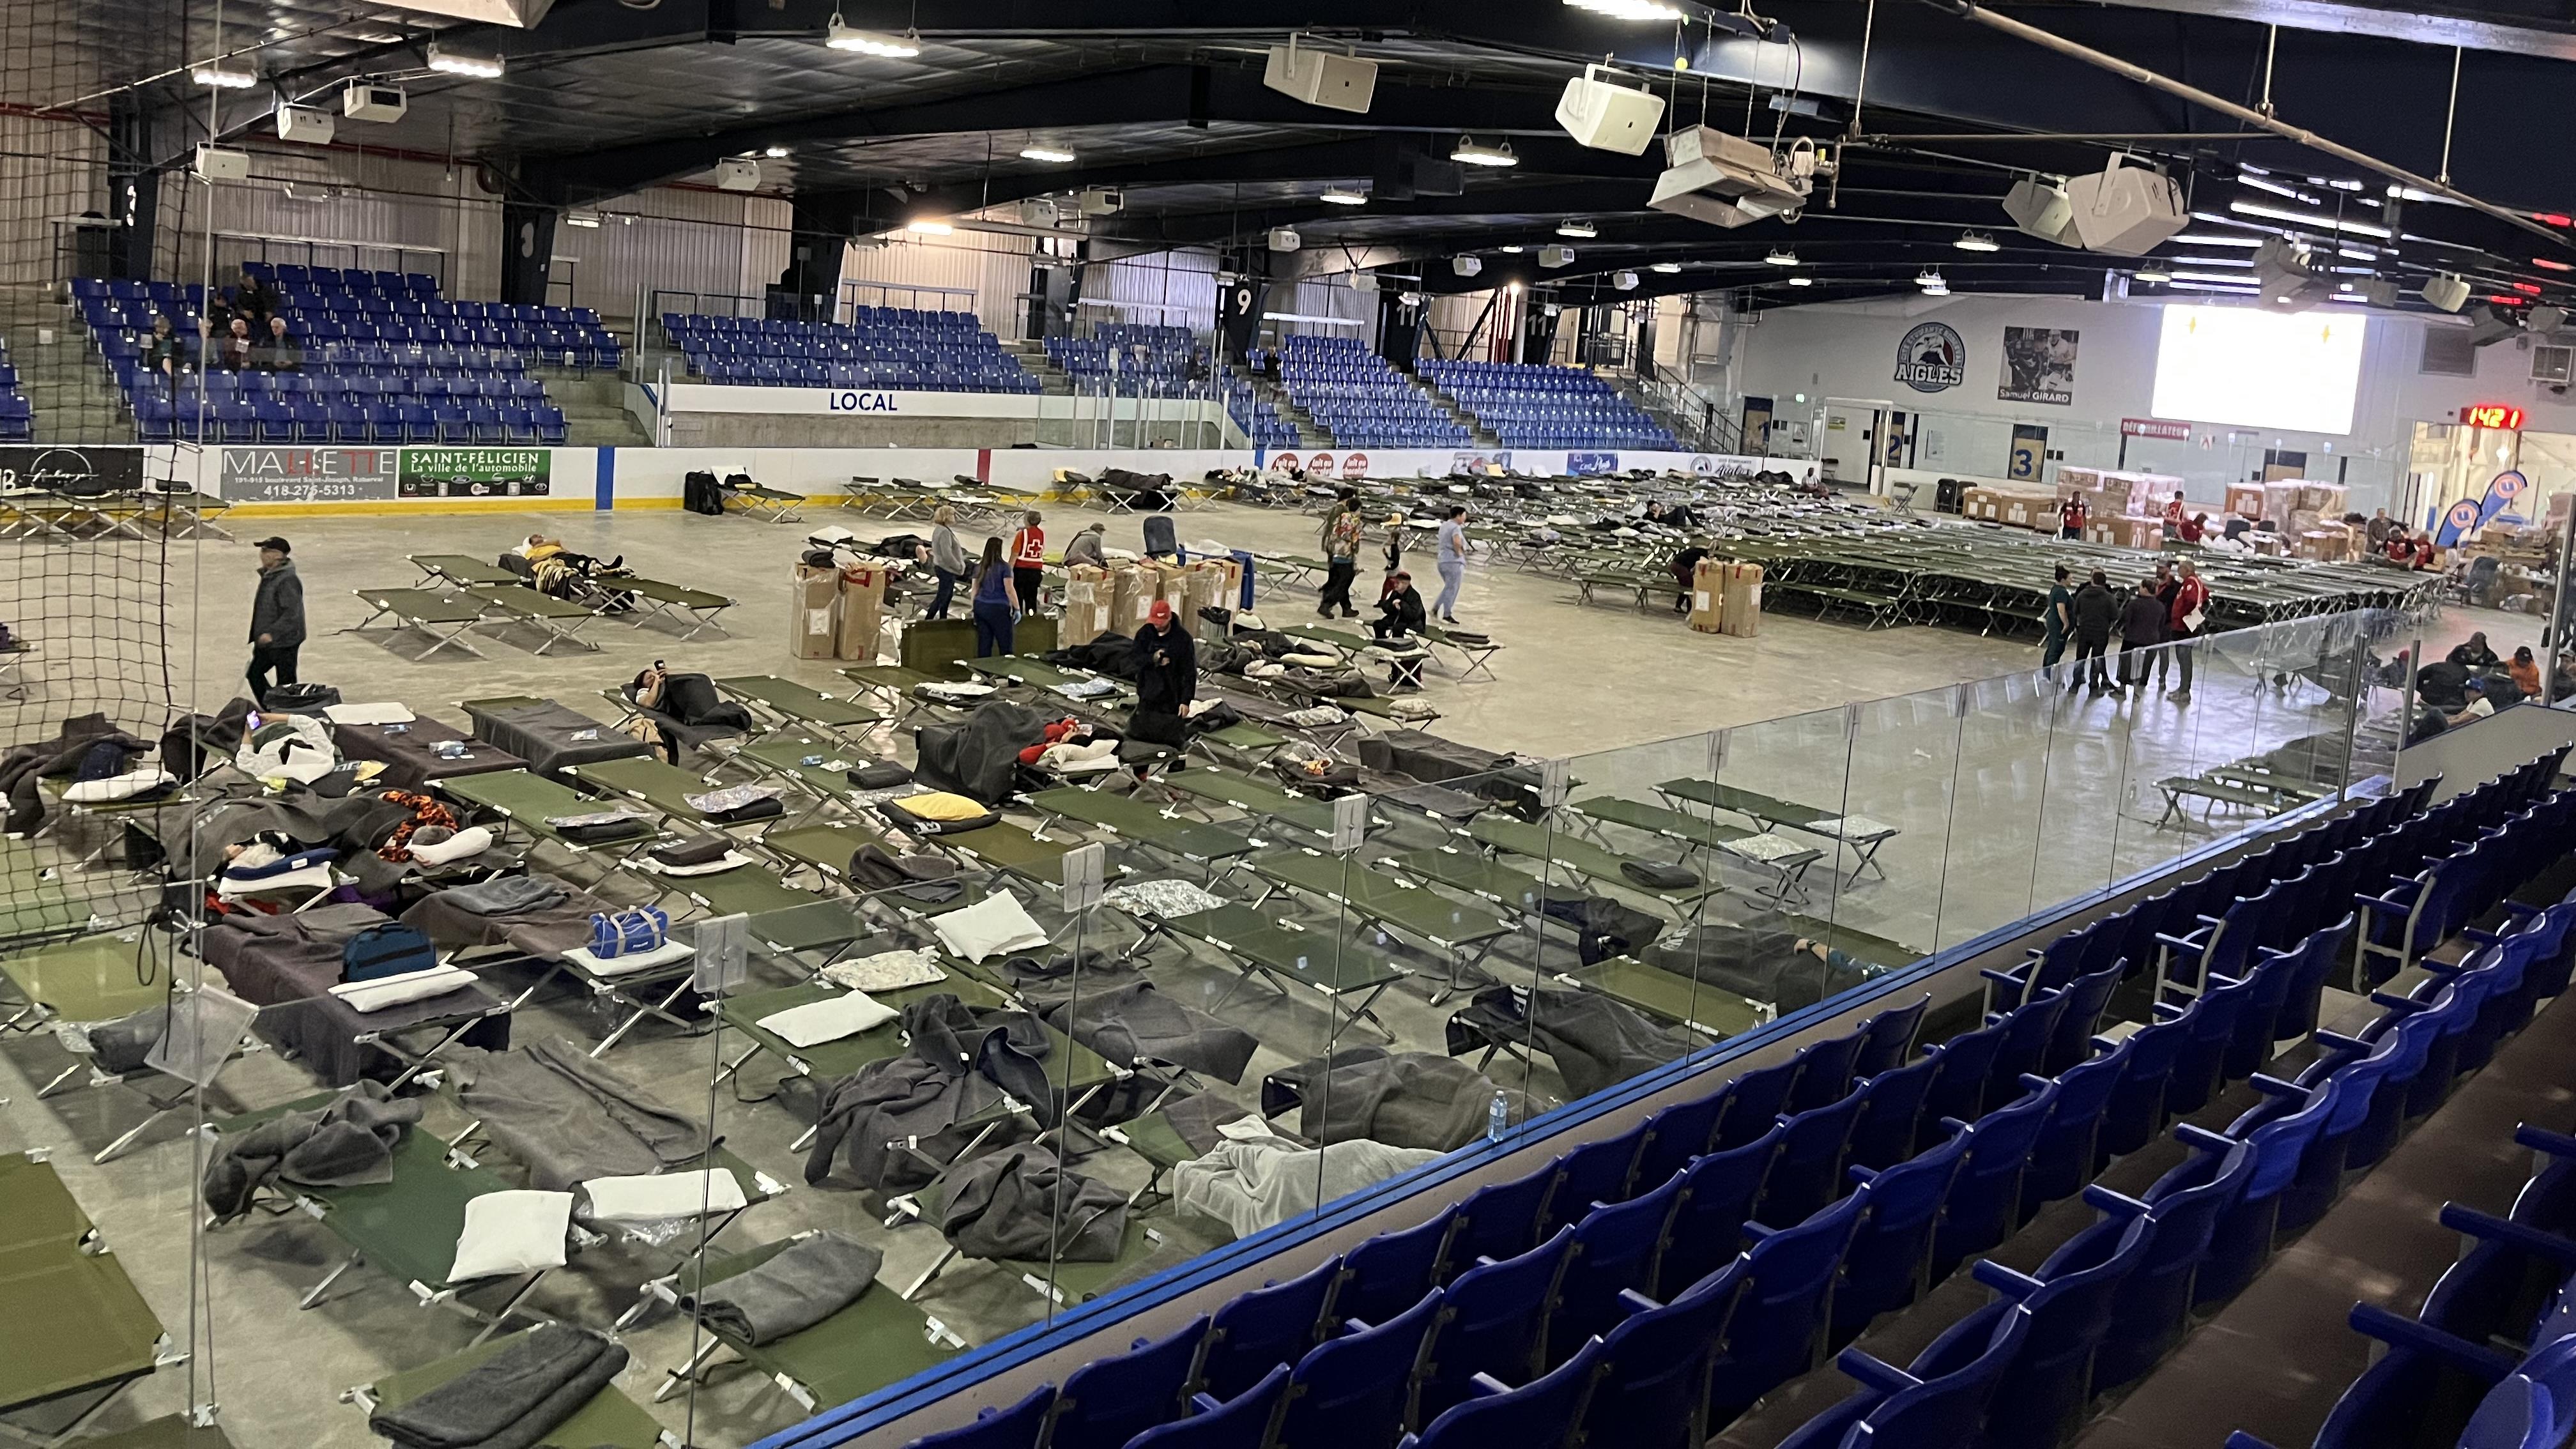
point(276, 619)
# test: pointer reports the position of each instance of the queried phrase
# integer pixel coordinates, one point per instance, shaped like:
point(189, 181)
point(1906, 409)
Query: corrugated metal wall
point(48, 169)
point(717, 250)
point(992, 266)
point(1173, 289)
point(341, 209)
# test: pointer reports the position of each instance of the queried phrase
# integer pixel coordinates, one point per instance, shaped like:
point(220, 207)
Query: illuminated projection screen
point(2296, 372)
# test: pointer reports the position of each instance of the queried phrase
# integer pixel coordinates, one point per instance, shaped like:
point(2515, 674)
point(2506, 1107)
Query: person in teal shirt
point(2059, 622)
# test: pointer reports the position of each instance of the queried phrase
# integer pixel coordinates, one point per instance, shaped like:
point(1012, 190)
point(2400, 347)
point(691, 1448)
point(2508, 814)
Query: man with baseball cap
point(1167, 678)
point(276, 619)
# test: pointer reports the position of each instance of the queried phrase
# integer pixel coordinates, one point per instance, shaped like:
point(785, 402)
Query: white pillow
point(380, 712)
point(384, 991)
point(654, 1199)
point(512, 1232)
point(830, 1019)
point(993, 926)
point(472, 840)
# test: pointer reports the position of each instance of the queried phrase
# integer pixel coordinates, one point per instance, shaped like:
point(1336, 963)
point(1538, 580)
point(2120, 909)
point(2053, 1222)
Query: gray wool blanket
point(348, 1142)
point(511, 1400)
point(809, 1282)
point(1403, 1099)
point(960, 1064)
point(1122, 1016)
point(568, 1118)
point(1022, 1203)
point(1594, 1040)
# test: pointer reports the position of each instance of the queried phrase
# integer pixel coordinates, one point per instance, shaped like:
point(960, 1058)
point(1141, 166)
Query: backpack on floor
point(701, 493)
point(391, 949)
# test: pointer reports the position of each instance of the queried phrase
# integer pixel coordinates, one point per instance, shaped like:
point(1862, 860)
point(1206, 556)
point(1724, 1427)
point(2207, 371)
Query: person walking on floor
point(276, 619)
point(2059, 623)
point(947, 560)
point(2142, 627)
point(2183, 618)
point(1167, 679)
point(1028, 560)
point(995, 611)
point(1454, 549)
point(1341, 540)
point(2095, 609)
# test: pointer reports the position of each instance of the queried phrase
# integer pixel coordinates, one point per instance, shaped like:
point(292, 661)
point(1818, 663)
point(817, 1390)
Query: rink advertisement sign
point(476, 472)
point(309, 475)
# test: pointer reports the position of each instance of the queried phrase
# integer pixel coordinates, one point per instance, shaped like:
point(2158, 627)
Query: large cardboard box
point(1206, 589)
point(814, 612)
point(2326, 499)
point(863, 588)
point(2245, 500)
point(1087, 596)
point(2126, 531)
point(2326, 545)
point(2071, 481)
point(2150, 492)
point(1708, 596)
point(1128, 585)
point(2026, 508)
point(2280, 500)
point(1740, 606)
point(1979, 502)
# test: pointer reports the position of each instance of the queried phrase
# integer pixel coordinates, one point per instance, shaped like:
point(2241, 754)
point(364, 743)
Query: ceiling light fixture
point(2218, 239)
point(1514, 250)
point(1579, 230)
point(1053, 155)
point(928, 227)
point(2152, 274)
point(223, 77)
point(1638, 10)
point(2233, 281)
point(587, 220)
point(1343, 196)
point(841, 35)
point(774, 153)
point(1802, 281)
point(2308, 218)
point(2546, 265)
point(469, 63)
point(1977, 241)
point(1782, 257)
point(1666, 267)
point(1469, 153)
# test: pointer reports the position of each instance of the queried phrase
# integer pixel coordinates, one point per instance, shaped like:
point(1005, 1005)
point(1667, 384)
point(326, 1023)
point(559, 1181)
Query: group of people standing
point(1399, 604)
point(2168, 608)
point(1005, 579)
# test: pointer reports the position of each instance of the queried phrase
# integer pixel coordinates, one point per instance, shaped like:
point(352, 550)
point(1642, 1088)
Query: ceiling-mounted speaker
point(735, 173)
point(310, 124)
point(2546, 319)
point(1608, 117)
point(2486, 325)
point(1466, 266)
point(1363, 281)
point(2041, 209)
point(1102, 201)
point(2376, 291)
point(1624, 281)
point(222, 163)
point(1320, 78)
point(1555, 256)
point(2287, 272)
point(1723, 180)
point(2126, 211)
point(1285, 239)
point(2448, 291)
point(363, 102)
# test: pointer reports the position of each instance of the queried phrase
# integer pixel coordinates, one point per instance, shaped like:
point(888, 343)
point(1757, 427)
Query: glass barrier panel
point(1989, 868)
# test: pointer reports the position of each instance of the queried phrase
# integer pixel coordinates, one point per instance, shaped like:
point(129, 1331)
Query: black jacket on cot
point(2096, 609)
point(1167, 669)
point(2142, 621)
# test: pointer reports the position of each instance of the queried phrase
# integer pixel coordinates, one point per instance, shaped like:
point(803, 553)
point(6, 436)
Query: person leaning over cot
point(1686, 576)
point(1086, 548)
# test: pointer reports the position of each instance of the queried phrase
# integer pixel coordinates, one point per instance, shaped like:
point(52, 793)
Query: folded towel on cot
point(799, 1288)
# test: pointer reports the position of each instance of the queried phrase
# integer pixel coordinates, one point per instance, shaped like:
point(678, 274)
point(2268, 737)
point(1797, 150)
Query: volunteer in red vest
point(1028, 560)
point(2183, 621)
point(2173, 510)
point(2070, 516)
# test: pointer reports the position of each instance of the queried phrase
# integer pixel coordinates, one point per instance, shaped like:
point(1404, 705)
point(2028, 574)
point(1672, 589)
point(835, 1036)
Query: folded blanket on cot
point(659, 1198)
point(410, 986)
point(1023, 1203)
point(809, 1282)
point(344, 1143)
point(830, 1019)
point(511, 1400)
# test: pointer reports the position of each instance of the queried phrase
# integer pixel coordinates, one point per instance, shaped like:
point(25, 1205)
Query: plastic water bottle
point(1498, 1119)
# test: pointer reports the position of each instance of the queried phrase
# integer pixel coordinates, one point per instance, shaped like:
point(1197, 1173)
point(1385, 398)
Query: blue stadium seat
point(1924, 1408)
point(1675, 1135)
point(1242, 1422)
point(1718, 1189)
point(1753, 1104)
point(1789, 1279)
point(1807, 1171)
point(1350, 1393)
point(1616, 1248)
point(1541, 1414)
point(1985, 1199)
point(1492, 1320)
point(1652, 1393)
point(1891, 1122)
point(1498, 1221)
point(1109, 1401)
point(1267, 1326)
point(2154, 1301)
point(1015, 1427)
point(1890, 1037)
point(1596, 1171)
point(1888, 1263)
point(1389, 1272)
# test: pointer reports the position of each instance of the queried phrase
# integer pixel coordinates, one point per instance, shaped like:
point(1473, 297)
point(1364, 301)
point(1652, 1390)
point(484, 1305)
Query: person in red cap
point(1167, 678)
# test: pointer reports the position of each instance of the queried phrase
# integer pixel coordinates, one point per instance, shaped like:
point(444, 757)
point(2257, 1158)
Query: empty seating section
point(880, 347)
point(1360, 398)
point(17, 416)
point(1646, 1289)
point(1527, 405)
point(1258, 419)
point(383, 359)
point(1131, 354)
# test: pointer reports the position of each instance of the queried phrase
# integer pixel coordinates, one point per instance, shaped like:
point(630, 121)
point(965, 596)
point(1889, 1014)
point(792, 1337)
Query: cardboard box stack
point(1206, 589)
point(1708, 592)
point(2245, 500)
point(814, 612)
point(2127, 531)
point(1740, 604)
point(2027, 507)
point(1087, 596)
point(1131, 594)
point(863, 588)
